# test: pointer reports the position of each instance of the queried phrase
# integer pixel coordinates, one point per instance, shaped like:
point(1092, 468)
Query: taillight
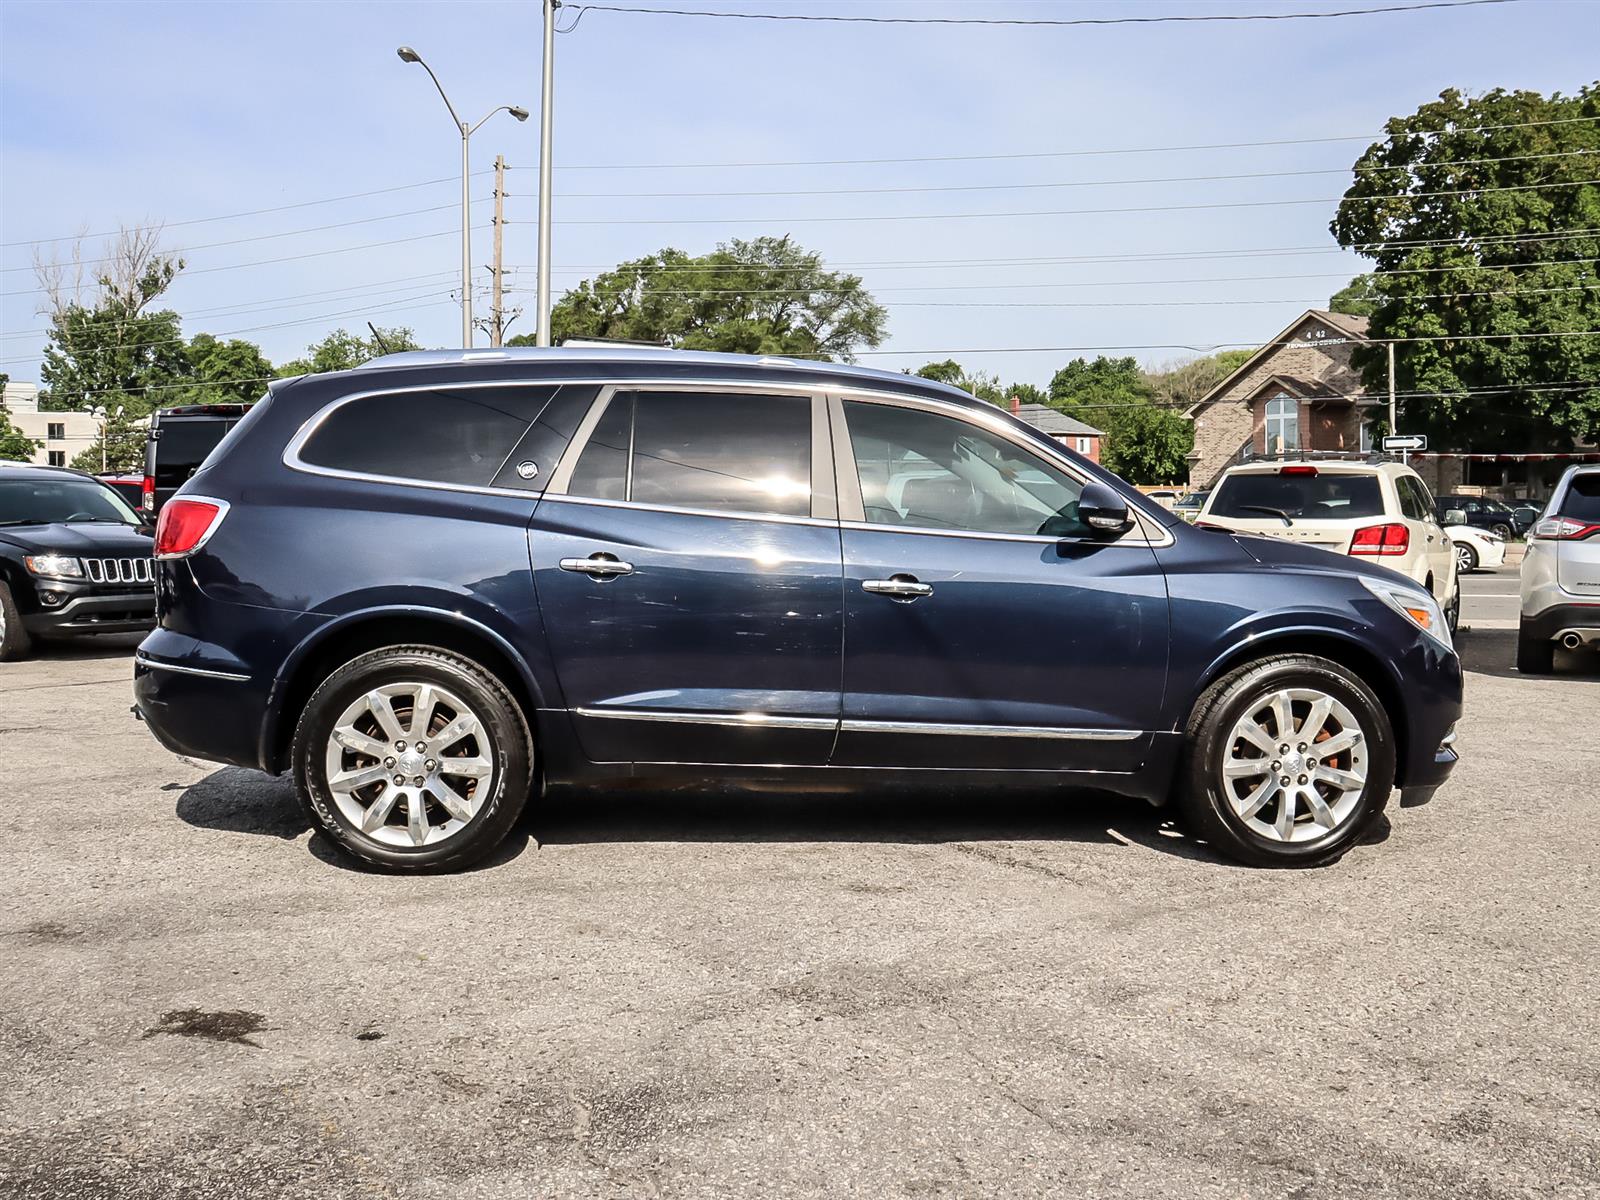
point(1563, 529)
point(186, 523)
point(1297, 470)
point(147, 494)
point(1381, 539)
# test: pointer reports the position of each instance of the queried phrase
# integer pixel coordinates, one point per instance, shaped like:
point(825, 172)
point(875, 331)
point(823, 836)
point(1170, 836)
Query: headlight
point(56, 566)
point(1414, 604)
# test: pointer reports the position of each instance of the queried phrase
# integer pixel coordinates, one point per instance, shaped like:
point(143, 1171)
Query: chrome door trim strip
point(938, 728)
point(145, 661)
point(749, 720)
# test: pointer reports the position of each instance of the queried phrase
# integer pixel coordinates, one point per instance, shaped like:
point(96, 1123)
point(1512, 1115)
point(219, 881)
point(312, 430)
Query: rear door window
point(1413, 500)
point(722, 451)
point(1582, 501)
point(1325, 496)
point(461, 436)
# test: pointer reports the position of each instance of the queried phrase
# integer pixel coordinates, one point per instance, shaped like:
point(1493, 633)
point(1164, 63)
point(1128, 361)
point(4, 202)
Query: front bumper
point(81, 610)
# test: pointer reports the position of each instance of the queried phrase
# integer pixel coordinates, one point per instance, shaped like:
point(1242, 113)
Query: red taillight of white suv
point(147, 494)
point(1394, 538)
point(186, 524)
point(1563, 529)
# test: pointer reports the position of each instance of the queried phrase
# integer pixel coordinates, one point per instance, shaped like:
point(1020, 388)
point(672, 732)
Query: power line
point(944, 158)
point(1058, 22)
point(1068, 183)
point(1063, 212)
point(1215, 346)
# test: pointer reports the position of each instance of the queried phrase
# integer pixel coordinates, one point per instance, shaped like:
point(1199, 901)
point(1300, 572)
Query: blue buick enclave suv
point(436, 585)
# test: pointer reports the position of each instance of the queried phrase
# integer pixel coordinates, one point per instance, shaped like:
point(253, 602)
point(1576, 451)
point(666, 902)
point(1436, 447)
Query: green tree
point(765, 296)
point(14, 444)
point(1027, 393)
point(123, 437)
point(1144, 442)
point(342, 350)
point(978, 383)
point(1462, 259)
point(233, 371)
point(1181, 385)
point(1361, 297)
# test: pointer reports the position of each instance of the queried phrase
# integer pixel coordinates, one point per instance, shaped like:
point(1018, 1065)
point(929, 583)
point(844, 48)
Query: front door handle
point(599, 565)
point(897, 587)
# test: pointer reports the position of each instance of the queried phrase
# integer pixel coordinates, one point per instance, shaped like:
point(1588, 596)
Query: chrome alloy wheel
point(1466, 558)
point(1296, 765)
point(409, 764)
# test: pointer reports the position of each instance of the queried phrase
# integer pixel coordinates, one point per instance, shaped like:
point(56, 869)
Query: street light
point(407, 54)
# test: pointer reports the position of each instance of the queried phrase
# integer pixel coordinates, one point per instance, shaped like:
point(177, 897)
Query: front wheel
point(1466, 559)
point(1501, 531)
point(1287, 762)
point(14, 639)
point(413, 759)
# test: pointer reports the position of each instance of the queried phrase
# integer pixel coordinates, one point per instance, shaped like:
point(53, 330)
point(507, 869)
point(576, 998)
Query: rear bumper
point(88, 612)
point(1550, 623)
point(198, 709)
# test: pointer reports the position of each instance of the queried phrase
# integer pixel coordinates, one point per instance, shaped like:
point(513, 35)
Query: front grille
point(119, 570)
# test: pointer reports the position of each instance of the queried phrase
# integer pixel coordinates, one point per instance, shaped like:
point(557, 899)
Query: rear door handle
point(600, 565)
point(897, 587)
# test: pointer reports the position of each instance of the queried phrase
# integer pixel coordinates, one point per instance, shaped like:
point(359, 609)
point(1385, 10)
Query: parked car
point(1189, 504)
point(1497, 517)
point(433, 585)
point(1561, 574)
point(74, 559)
point(1476, 549)
point(1164, 496)
point(129, 487)
point(179, 439)
point(1359, 507)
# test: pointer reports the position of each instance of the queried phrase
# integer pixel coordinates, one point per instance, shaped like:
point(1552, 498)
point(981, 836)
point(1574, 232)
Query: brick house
point(1069, 431)
point(1298, 392)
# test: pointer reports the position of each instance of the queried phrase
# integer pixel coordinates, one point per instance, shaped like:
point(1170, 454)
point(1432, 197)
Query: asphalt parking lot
point(676, 996)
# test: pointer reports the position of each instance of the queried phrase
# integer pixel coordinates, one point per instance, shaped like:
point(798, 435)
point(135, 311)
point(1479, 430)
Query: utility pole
point(497, 330)
point(1392, 427)
point(546, 132)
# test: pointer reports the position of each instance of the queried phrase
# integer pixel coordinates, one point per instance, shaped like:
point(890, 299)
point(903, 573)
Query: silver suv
point(1561, 573)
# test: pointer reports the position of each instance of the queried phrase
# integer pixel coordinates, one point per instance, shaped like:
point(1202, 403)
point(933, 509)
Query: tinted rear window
point(185, 441)
point(1324, 497)
point(1582, 501)
point(444, 436)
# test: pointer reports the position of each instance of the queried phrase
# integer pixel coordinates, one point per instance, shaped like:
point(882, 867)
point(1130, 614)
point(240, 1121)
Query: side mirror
point(1103, 511)
point(1455, 516)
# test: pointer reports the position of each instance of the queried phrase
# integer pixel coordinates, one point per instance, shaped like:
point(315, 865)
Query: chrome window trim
point(748, 720)
point(825, 522)
point(146, 661)
point(757, 720)
point(991, 421)
point(1004, 731)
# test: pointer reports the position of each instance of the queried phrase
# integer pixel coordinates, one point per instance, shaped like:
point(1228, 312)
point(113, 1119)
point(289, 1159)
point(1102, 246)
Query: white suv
point(1561, 573)
point(1372, 509)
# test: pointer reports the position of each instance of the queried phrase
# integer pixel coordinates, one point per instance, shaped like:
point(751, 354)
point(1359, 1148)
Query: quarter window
point(923, 470)
point(723, 451)
point(444, 436)
point(1283, 424)
point(1413, 500)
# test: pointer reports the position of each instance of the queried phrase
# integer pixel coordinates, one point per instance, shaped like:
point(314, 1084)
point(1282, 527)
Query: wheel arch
point(353, 634)
point(1336, 647)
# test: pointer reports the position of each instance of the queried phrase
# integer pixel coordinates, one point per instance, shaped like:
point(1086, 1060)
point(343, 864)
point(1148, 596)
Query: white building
point(65, 434)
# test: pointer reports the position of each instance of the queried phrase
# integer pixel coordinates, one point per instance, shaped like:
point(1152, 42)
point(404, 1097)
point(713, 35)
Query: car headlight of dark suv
point(54, 566)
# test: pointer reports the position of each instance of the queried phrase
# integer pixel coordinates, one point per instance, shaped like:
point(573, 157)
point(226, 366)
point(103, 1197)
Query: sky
point(192, 113)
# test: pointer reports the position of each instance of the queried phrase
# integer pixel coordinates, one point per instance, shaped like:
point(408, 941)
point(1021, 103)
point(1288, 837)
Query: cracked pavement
point(695, 995)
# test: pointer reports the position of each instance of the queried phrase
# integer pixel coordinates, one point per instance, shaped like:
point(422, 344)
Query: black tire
point(1502, 531)
point(1466, 559)
point(1207, 811)
point(1452, 611)
point(1535, 655)
point(510, 748)
point(15, 642)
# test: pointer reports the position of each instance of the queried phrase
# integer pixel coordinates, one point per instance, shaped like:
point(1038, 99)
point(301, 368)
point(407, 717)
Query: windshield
point(1322, 497)
point(47, 501)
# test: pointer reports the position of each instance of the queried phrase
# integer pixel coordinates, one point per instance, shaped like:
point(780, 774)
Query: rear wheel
point(413, 759)
point(1466, 559)
point(14, 640)
point(1535, 655)
point(1287, 762)
point(1501, 531)
point(1452, 610)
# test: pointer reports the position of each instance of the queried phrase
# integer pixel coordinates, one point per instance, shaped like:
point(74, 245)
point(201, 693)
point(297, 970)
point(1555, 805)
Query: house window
point(1283, 424)
point(1085, 445)
point(56, 431)
point(58, 458)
